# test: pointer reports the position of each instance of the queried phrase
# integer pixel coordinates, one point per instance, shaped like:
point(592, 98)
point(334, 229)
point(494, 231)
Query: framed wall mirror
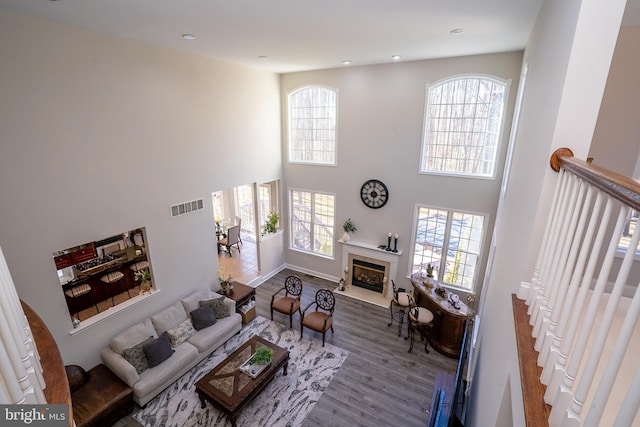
point(97, 276)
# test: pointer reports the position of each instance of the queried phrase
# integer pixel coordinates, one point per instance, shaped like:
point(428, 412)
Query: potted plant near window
point(349, 227)
point(270, 226)
point(430, 281)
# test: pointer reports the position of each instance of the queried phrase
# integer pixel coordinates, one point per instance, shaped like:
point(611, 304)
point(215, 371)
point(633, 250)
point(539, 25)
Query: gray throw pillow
point(135, 355)
point(219, 307)
point(203, 317)
point(158, 350)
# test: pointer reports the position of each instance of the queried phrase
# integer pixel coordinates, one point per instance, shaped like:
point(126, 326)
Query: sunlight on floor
point(243, 265)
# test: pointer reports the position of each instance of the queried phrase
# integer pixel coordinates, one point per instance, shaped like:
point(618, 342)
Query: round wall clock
point(374, 194)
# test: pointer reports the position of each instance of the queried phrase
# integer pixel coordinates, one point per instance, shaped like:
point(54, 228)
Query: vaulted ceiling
point(293, 35)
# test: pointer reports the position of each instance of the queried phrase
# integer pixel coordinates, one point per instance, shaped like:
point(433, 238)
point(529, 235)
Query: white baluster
point(546, 238)
point(21, 377)
point(630, 405)
point(564, 393)
point(595, 352)
point(613, 365)
point(581, 214)
point(566, 330)
point(544, 284)
point(563, 267)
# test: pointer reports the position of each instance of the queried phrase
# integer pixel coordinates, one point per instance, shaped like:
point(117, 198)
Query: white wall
point(380, 121)
point(616, 139)
point(100, 135)
point(568, 57)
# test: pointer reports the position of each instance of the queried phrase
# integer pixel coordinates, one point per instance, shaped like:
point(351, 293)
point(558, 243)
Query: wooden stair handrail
point(57, 385)
point(620, 187)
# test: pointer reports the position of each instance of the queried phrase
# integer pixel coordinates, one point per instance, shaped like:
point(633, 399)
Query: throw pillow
point(219, 307)
point(135, 355)
point(203, 317)
point(158, 350)
point(181, 333)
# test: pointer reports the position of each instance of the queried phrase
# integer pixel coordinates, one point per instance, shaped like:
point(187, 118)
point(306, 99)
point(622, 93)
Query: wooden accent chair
point(401, 301)
point(232, 239)
point(419, 320)
point(316, 320)
point(290, 302)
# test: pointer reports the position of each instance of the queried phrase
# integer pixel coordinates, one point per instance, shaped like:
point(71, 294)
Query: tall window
point(268, 200)
point(462, 126)
point(312, 222)
point(312, 125)
point(451, 243)
point(244, 207)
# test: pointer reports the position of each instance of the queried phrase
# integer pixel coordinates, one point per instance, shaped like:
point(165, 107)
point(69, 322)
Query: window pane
point(312, 222)
point(451, 243)
point(463, 124)
point(312, 125)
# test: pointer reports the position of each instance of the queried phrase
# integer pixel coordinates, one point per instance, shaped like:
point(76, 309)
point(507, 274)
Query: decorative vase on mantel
point(345, 237)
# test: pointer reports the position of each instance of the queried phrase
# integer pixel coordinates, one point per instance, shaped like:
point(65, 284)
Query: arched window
point(312, 125)
point(463, 125)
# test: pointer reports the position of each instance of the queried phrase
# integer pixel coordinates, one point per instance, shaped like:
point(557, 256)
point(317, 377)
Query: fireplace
point(368, 272)
point(368, 275)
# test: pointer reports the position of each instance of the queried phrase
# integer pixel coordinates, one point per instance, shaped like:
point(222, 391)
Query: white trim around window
point(463, 126)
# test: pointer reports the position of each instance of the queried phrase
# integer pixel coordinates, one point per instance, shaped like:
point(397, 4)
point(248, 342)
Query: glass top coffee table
point(229, 389)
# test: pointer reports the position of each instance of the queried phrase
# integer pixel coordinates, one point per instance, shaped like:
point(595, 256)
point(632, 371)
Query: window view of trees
point(463, 123)
point(451, 243)
point(312, 222)
point(312, 125)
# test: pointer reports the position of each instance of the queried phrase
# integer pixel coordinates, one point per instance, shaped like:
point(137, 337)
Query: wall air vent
point(187, 207)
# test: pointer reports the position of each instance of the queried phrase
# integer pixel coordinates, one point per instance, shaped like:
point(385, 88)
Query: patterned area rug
point(286, 401)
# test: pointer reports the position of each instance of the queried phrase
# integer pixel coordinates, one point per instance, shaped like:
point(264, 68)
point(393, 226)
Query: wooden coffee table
point(228, 389)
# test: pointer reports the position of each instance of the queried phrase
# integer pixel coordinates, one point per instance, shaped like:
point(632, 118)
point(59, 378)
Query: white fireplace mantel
point(390, 258)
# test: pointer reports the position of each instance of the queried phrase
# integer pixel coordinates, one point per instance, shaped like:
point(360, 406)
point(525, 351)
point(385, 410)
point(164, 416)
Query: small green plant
point(349, 226)
point(429, 270)
point(262, 356)
point(271, 225)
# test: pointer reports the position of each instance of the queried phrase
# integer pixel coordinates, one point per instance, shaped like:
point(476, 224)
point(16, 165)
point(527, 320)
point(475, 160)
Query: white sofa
point(149, 383)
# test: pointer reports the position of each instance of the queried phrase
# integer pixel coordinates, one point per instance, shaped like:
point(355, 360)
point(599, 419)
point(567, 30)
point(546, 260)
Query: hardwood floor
point(380, 383)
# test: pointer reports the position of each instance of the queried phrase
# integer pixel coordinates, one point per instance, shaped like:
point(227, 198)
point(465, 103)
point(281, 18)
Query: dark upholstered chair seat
point(286, 305)
point(318, 321)
point(290, 302)
point(98, 396)
point(321, 319)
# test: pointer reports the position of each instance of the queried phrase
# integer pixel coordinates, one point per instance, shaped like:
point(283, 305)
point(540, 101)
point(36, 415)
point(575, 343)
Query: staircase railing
point(583, 324)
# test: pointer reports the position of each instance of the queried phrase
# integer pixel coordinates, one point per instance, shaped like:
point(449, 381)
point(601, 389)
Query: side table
point(242, 294)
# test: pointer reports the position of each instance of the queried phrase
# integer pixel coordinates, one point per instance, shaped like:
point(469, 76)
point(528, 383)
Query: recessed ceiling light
point(396, 57)
point(457, 31)
point(346, 61)
point(263, 57)
point(188, 37)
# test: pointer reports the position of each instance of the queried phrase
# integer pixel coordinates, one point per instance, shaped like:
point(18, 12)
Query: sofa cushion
point(132, 336)
point(190, 303)
point(169, 318)
point(153, 378)
point(218, 305)
point(207, 339)
point(181, 333)
point(158, 350)
point(135, 355)
point(203, 317)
